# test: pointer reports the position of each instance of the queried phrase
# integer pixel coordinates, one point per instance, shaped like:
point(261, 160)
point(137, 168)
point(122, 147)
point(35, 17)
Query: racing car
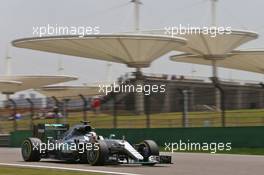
point(80, 143)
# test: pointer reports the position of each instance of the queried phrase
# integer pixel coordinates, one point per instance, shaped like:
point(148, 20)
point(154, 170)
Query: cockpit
point(77, 131)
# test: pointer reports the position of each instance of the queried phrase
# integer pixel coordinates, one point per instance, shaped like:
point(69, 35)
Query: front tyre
point(148, 148)
point(30, 150)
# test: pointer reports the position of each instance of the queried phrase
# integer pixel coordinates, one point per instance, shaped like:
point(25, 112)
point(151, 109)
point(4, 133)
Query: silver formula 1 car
point(81, 144)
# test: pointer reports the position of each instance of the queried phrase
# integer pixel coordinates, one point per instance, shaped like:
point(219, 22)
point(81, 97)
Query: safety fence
point(184, 104)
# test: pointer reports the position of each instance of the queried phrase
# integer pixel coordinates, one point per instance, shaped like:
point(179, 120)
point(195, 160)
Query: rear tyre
point(98, 155)
point(31, 150)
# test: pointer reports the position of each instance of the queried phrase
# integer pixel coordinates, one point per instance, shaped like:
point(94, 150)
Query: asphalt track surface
point(183, 164)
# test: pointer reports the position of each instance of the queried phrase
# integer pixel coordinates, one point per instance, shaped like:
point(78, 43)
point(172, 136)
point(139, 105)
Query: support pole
point(214, 68)
point(114, 111)
point(14, 112)
point(261, 96)
point(32, 112)
point(57, 104)
point(85, 106)
point(65, 109)
point(147, 105)
point(8, 63)
point(185, 122)
point(139, 96)
point(214, 62)
point(217, 92)
point(213, 12)
point(222, 92)
point(136, 14)
point(185, 107)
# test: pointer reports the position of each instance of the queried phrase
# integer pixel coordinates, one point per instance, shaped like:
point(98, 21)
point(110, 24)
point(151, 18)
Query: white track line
point(64, 168)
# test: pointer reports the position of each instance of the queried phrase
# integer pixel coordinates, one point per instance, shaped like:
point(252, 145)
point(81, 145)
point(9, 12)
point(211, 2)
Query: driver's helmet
point(93, 137)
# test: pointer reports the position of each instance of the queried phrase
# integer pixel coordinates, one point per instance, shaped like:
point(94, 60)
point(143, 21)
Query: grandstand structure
point(200, 94)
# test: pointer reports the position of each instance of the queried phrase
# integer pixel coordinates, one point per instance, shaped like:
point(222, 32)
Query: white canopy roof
point(5, 86)
point(247, 60)
point(205, 44)
point(69, 91)
point(135, 50)
point(24, 82)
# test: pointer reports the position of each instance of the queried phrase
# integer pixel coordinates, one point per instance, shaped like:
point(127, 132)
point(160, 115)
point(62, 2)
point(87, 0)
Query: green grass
point(247, 117)
point(10, 170)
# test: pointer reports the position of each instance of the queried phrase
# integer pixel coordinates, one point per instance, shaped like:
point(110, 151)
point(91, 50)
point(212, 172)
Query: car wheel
point(148, 148)
point(99, 156)
point(30, 150)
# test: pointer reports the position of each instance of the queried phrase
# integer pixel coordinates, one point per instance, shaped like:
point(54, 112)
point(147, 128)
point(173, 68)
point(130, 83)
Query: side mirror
point(111, 136)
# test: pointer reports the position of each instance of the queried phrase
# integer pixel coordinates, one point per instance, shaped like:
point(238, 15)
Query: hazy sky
point(17, 18)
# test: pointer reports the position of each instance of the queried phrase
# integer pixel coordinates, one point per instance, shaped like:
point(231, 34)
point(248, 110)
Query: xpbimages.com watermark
point(55, 30)
point(212, 147)
point(212, 31)
point(147, 89)
point(65, 147)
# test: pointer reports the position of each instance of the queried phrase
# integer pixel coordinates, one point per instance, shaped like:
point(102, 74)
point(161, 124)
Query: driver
point(93, 137)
